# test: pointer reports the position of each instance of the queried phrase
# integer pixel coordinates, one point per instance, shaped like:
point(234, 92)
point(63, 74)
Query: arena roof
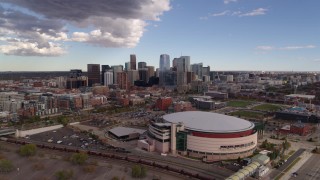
point(209, 122)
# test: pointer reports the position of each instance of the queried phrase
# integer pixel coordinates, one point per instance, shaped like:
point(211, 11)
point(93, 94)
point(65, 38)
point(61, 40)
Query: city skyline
point(223, 34)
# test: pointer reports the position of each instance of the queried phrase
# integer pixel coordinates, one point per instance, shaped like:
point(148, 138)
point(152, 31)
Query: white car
point(59, 142)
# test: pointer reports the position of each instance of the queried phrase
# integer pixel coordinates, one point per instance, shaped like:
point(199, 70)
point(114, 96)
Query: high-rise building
point(133, 75)
point(164, 67)
point(206, 71)
point(150, 71)
point(183, 66)
point(93, 74)
point(104, 68)
point(122, 80)
point(143, 74)
point(116, 70)
point(142, 65)
point(108, 78)
point(127, 66)
point(197, 69)
point(76, 79)
point(164, 62)
point(133, 62)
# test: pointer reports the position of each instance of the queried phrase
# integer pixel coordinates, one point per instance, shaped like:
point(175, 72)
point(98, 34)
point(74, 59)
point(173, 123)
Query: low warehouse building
point(126, 134)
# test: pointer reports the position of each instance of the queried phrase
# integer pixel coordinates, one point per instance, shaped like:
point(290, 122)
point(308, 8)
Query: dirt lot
point(46, 163)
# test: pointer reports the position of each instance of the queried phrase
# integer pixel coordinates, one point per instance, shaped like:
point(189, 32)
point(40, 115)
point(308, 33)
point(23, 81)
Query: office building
point(108, 78)
point(133, 62)
point(127, 66)
point(104, 68)
point(93, 74)
point(142, 65)
point(122, 80)
point(197, 69)
point(164, 64)
point(116, 70)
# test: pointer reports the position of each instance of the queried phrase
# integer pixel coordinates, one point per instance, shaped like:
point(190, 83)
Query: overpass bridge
point(7, 131)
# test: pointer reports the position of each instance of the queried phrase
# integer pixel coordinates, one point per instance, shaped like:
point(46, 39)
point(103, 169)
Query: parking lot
point(69, 137)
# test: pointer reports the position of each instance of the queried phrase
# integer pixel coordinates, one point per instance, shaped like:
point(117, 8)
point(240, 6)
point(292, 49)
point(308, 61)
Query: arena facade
point(204, 135)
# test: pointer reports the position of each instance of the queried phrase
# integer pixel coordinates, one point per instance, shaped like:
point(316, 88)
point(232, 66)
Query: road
point(310, 170)
point(278, 171)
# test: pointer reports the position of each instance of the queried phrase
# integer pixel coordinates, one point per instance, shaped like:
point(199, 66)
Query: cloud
point(112, 23)
point(298, 47)
point(270, 48)
point(256, 12)
point(25, 48)
point(204, 18)
point(316, 60)
point(220, 14)
point(229, 1)
point(265, 48)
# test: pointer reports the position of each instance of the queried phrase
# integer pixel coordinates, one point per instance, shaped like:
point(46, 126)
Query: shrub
point(79, 158)
point(6, 166)
point(138, 171)
point(64, 174)
point(28, 150)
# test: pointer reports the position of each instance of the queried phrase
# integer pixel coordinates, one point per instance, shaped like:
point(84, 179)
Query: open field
point(267, 107)
point(247, 114)
point(45, 164)
point(239, 103)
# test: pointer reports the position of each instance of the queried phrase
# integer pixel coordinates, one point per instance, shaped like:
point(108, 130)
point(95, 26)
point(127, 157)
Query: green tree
point(64, 174)
point(28, 150)
point(63, 120)
point(79, 158)
point(138, 171)
point(6, 166)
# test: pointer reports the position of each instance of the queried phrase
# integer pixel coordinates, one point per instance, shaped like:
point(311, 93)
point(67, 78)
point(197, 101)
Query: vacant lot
point(267, 107)
point(239, 103)
point(247, 114)
point(45, 164)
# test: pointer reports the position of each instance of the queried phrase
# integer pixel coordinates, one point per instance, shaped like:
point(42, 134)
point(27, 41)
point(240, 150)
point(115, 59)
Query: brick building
point(163, 103)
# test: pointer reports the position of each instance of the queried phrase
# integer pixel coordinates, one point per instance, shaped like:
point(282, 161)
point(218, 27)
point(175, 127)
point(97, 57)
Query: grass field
point(267, 107)
point(247, 114)
point(238, 103)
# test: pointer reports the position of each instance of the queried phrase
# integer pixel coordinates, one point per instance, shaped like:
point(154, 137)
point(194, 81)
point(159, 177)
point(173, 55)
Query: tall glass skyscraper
point(164, 62)
point(164, 66)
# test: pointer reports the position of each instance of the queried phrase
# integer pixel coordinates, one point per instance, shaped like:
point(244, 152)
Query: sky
point(264, 35)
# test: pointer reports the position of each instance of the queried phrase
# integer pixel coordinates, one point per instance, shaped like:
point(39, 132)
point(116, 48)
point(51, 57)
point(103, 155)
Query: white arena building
point(204, 135)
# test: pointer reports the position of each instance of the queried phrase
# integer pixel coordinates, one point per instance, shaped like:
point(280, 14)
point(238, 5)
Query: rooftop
point(123, 131)
point(209, 122)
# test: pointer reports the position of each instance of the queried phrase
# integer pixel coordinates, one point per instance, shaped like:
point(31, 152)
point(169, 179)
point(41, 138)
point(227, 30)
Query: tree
point(63, 120)
point(64, 174)
point(28, 150)
point(286, 145)
point(6, 166)
point(138, 171)
point(79, 158)
point(239, 159)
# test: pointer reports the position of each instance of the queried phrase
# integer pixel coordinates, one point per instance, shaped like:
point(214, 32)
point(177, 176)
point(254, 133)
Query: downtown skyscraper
point(93, 74)
point(133, 62)
point(164, 66)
